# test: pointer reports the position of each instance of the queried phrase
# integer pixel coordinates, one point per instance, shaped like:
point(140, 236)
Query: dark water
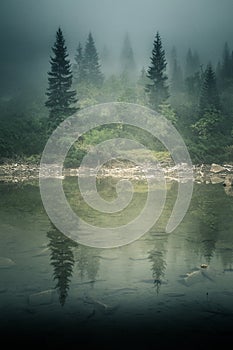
point(154, 291)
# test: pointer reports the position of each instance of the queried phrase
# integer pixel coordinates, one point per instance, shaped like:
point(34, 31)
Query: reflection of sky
point(27, 28)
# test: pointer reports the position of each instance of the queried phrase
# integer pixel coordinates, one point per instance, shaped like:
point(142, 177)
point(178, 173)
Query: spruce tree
point(79, 71)
point(106, 60)
point(61, 98)
point(176, 72)
point(127, 61)
point(209, 97)
point(93, 73)
point(157, 89)
point(226, 67)
point(192, 63)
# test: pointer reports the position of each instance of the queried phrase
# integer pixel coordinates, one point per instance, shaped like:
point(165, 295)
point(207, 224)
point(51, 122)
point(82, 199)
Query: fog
point(28, 27)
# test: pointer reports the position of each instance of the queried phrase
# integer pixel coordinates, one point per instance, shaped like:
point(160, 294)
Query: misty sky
point(27, 30)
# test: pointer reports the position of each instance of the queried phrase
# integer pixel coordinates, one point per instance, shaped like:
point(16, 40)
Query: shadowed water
point(54, 290)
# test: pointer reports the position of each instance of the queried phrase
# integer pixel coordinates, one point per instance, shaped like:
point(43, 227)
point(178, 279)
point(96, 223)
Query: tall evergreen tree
point(79, 71)
point(61, 99)
point(175, 72)
point(192, 63)
point(128, 65)
point(106, 61)
point(157, 89)
point(93, 73)
point(209, 97)
point(226, 72)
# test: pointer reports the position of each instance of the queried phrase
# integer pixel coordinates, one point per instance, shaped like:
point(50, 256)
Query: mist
point(28, 27)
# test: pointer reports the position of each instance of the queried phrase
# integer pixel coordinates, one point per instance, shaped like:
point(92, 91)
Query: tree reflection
point(64, 254)
point(227, 258)
point(62, 260)
point(157, 257)
point(208, 213)
point(87, 262)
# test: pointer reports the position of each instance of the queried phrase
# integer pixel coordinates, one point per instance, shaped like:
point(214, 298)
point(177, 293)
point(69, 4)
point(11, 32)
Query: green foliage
point(78, 67)
point(193, 107)
point(209, 97)
point(91, 64)
point(60, 96)
point(128, 66)
point(177, 83)
point(192, 63)
point(157, 88)
point(21, 136)
point(208, 125)
point(168, 112)
point(193, 86)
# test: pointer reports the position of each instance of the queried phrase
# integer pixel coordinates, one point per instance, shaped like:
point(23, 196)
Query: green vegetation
point(60, 96)
point(197, 101)
point(157, 88)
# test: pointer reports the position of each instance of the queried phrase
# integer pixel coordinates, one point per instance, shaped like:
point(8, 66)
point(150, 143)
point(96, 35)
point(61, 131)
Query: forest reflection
point(205, 234)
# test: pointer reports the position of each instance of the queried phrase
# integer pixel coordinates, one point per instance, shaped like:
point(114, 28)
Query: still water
point(53, 290)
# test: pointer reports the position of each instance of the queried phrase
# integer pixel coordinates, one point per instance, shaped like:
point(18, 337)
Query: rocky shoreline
point(204, 173)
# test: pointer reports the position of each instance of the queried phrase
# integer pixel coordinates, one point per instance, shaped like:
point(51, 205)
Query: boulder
point(216, 180)
point(228, 180)
point(216, 168)
point(229, 190)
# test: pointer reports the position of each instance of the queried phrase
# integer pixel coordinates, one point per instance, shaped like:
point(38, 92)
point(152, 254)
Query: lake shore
point(12, 171)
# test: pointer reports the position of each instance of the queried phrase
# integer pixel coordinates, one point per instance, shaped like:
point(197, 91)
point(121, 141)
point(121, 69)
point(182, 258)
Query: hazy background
point(27, 31)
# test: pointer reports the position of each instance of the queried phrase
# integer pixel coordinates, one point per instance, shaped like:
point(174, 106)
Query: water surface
point(54, 290)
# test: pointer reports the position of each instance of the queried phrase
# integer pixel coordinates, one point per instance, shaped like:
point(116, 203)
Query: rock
point(199, 276)
point(6, 262)
point(204, 266)
point(216, 168)
point(41, 298)
point(193, 278)
point(229, 190)
point(216, 180)
point(228, 180)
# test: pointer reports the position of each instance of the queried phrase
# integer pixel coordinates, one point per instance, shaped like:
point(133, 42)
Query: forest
point(197, 98)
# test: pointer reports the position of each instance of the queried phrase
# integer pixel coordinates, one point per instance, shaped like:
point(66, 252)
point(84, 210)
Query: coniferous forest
point(196, 97)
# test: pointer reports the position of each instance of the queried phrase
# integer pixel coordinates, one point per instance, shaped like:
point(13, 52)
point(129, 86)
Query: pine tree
point(209, 97)
point(128, 65)
point(61, 98)
point(176, 72)
point(226, 67)
point(79, 71)
point(157, 89)
point(219, 75)
point(192, 63)
point(93, 73)
point(62, 260)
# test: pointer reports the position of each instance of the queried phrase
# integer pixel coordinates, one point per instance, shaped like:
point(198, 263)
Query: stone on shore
point(216, 168)
point(228, 180)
